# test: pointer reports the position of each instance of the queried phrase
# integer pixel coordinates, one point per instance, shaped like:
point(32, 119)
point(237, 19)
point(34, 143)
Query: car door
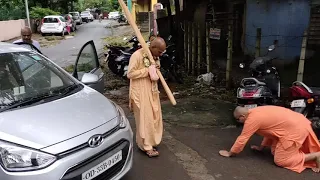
point(88, 62)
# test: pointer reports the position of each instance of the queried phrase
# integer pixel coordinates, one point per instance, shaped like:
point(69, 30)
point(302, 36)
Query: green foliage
point(39, 13)
point(115, 4)
point(12, 10)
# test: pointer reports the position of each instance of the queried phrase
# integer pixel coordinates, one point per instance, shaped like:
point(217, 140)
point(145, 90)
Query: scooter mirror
point(241, 65)
point(271, 48)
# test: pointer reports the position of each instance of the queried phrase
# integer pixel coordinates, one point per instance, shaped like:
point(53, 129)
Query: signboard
point(215, 33)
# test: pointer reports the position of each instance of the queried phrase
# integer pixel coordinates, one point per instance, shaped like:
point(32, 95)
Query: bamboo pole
point(199, 50)
point(186, 45)
point(229, 56)
point(193, 48)
point(146, 49)
point(189, 46)
point(258, 43)
point(207, 48)
point(302, 56)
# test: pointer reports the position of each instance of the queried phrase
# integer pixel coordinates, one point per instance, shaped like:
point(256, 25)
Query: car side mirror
point(89, 78)
point(241, 65)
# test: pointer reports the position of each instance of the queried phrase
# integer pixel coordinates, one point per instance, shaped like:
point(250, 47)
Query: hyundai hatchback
point(54, 125)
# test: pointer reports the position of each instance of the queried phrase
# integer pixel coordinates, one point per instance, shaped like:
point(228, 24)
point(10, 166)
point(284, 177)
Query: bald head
point(26, 34)
point(240, 113)
point(158, 46)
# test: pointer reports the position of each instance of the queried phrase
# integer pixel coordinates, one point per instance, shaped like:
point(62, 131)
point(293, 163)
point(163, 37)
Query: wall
point(11, 29)
point(282, 20)
point(143, 6)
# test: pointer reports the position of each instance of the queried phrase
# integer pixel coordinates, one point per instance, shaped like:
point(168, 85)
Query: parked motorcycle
point(263, 87)
point(169, 66)
point(305, 100)
point(118, 57)
point(121, 18)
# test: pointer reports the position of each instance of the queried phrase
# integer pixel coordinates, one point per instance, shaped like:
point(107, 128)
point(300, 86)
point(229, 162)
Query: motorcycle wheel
point(113, 67)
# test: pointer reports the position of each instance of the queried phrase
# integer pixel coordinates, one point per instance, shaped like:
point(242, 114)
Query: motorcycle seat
point(256, 80)
point(125, 53)
point(315, 90)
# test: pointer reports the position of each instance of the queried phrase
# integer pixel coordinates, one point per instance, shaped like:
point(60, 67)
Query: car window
point(27, 74)
point(62, 19)
point(87, 61)
point(50, 20)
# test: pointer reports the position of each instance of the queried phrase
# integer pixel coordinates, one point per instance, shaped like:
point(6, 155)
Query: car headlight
point(16, 158)
point(121, 115)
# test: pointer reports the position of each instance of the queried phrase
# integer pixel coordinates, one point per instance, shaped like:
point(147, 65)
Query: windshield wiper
point(40, 99)
point(37, 99)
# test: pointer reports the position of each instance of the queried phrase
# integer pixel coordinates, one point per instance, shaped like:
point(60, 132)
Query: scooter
point(263, 87)
point(306, 100)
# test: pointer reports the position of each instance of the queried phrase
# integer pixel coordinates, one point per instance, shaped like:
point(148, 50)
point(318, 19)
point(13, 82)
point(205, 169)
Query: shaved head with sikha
point(240, 113)
point(158, 46)
point(26, 34)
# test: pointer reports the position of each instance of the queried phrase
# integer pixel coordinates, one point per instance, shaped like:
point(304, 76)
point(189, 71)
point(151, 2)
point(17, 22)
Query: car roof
point(11, 48)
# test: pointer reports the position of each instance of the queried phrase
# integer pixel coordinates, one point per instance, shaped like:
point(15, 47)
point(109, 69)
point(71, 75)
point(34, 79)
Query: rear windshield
point(51, 20)
point(74, 14)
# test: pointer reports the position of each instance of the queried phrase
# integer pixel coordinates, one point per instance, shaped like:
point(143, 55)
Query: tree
point(115, 4)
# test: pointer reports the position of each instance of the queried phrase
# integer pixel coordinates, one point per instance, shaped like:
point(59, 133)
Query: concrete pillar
point(152, 3)
point(129, 4)
point(133, 12)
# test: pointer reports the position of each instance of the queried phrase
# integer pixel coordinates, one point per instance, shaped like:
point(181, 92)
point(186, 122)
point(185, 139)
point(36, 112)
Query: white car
point(86, 16)
point(53, 25)
point(114, 15)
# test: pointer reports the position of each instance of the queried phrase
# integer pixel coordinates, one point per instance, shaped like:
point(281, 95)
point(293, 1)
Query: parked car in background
point(76, 17)
point(70, 22)
point(63, 127)
point(114, 15)
point(86, 16)
point(53, 25)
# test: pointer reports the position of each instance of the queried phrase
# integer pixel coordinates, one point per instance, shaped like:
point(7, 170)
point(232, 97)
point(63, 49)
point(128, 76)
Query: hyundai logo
point(95, 141)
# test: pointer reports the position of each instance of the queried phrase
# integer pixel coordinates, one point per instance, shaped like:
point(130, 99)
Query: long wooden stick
point(146, 49)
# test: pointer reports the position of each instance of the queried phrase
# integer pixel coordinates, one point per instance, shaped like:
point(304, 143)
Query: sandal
point(152, 153)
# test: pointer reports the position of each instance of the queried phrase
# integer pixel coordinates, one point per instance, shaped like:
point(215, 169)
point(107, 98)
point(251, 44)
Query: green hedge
point(39, 13)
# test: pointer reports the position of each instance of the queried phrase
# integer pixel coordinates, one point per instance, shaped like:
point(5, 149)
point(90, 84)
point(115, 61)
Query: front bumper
point(71, 166)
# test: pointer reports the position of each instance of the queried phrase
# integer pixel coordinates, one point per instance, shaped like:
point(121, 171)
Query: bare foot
point(317, 169)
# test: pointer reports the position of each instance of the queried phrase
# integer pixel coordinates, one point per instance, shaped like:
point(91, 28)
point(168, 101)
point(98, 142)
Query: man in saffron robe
point(144, 97)
point(289, 134)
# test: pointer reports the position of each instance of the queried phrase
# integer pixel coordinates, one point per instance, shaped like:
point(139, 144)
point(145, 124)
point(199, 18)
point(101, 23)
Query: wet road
point(65, 53)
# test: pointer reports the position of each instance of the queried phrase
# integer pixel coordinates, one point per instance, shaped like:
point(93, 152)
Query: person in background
point(26, 36)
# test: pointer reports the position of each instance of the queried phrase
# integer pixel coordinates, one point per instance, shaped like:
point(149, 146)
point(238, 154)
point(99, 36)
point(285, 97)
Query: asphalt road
point(65, 53)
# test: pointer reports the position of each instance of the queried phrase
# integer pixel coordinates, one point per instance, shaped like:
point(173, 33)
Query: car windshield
point(28, 75)
point(74, 14)
point(85, 13)
point(50, 20)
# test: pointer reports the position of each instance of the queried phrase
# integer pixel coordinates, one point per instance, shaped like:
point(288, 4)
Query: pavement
point(193, 136)
point(65, 53)
point(195, 130)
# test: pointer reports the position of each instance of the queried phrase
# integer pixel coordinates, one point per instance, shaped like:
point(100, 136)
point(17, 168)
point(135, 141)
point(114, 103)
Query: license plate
point(298, 103)
point(102, 167)
point(250, 106)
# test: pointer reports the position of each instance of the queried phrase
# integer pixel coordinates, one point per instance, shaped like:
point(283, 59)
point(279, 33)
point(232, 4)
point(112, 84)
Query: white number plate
point(250, 106)
point(102, 167)
point(298, 103)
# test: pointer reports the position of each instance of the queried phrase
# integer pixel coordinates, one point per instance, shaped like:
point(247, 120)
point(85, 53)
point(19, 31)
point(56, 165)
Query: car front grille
point(85, 145)
point(75, 173)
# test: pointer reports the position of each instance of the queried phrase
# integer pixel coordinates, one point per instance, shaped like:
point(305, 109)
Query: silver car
point(54, 126)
